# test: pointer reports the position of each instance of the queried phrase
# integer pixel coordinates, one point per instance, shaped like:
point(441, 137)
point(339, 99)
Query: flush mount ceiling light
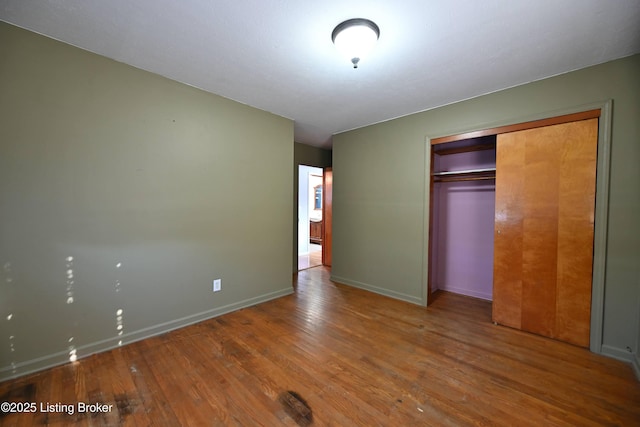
point(355, 38)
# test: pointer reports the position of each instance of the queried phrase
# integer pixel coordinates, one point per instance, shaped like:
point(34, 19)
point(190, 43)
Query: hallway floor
point(312, 259)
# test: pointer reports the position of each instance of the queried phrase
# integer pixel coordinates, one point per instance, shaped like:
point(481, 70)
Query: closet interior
point(463, 211)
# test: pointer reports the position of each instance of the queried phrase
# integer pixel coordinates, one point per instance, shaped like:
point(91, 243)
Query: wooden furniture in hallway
point(315, 231)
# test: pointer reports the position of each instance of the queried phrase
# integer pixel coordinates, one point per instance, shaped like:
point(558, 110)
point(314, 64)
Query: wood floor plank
point(334, 355)
point(151, 400)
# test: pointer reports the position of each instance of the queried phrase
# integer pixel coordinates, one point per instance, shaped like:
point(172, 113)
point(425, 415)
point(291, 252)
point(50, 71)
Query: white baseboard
point(382, 291)
point(625, 356)
point(636, 366)
point(617, 353)
point(60, 358)
point(467, 292)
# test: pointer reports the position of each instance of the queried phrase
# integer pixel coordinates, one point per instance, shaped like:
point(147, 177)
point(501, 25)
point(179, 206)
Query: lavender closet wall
point(462, 257)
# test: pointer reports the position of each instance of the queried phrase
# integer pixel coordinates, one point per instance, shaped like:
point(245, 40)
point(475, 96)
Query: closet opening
point(462, 212)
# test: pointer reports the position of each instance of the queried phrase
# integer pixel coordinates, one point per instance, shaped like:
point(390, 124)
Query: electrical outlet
point(217, 285)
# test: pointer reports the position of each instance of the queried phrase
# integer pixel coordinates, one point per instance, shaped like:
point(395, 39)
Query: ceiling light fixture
point(355, 38)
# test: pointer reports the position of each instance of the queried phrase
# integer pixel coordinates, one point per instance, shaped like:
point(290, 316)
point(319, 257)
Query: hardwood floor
point(335, 355)
point(312, 259)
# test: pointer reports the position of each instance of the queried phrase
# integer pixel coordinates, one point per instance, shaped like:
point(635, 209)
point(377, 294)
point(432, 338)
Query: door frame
point(602, 193)
point(299, 190)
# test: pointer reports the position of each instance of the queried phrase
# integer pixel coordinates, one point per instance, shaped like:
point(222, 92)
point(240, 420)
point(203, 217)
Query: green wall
point(379, 188)
point(126, 191)
point(311, 156)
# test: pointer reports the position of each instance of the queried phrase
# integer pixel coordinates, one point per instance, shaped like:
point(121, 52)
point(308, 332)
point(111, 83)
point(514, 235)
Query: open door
point(327, 206)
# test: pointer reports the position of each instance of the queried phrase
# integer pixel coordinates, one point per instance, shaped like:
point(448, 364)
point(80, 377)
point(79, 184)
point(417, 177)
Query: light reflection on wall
point(12, 347)
point(119, 324)
point(70, 281)
point(9, 317)
point(7, 273)
point(119, 311)
point(73, 353)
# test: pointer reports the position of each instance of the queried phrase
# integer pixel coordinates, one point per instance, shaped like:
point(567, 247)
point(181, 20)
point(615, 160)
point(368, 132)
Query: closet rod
point(462, 178)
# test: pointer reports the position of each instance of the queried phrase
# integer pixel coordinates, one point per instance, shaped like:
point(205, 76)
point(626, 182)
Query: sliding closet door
point(543, 254)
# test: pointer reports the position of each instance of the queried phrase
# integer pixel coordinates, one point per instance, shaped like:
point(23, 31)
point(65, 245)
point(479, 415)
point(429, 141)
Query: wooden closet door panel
point(576, 208)
point(507, 237)
point(540, 230)
point(556, 204)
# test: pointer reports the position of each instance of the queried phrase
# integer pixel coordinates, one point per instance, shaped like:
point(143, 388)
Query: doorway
point(310, 216)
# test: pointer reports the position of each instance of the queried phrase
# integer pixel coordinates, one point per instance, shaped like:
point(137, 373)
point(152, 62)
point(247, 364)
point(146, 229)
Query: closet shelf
point(465, 175)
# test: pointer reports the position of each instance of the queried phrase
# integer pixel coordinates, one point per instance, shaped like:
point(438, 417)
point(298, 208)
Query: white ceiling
point(277, 55)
